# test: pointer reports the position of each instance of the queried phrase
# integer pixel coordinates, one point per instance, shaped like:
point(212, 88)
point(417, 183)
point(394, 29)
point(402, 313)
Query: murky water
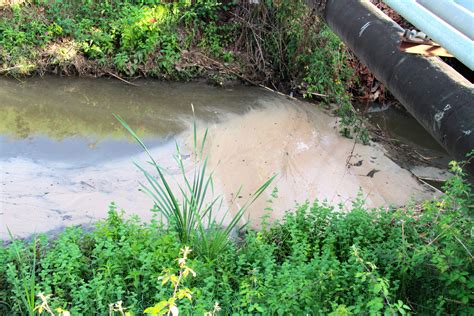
point(70, 119)
point(404, 128)
point(64, 158)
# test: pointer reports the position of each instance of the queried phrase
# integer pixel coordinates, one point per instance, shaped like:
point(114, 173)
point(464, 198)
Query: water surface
point(405, 129)
point(70, 119)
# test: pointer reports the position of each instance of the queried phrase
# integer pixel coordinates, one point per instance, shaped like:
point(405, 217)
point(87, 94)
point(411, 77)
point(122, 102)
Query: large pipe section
point(434, 93)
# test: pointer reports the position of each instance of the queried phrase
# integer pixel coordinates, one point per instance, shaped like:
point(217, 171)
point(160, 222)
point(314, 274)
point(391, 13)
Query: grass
point(27, 270)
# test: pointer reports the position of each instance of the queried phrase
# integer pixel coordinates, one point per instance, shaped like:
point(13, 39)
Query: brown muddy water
point(64, 158)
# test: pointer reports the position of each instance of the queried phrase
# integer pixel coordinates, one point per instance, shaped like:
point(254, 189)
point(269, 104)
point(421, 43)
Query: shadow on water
point(403, 128)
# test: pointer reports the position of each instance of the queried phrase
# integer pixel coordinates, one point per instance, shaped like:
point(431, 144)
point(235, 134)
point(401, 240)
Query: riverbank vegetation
point(279, 44)
point(317, 260)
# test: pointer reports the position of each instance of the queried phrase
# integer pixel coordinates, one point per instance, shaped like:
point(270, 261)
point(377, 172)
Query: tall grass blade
point(194, 219)
point(28, 279)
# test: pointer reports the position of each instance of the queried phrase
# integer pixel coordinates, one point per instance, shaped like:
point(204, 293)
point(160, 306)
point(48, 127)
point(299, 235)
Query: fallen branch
point(121, 79)
point(315, 94)
point(5, 70)
point(426, 183)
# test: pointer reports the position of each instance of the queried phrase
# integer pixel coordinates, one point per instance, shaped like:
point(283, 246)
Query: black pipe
point(434, 93)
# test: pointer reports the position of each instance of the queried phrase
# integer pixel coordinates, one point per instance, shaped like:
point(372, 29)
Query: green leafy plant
point(169, 306)
point(44, 307)
point(379, 287)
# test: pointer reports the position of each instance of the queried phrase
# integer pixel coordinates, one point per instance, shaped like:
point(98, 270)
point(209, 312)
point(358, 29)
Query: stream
point(64, 157)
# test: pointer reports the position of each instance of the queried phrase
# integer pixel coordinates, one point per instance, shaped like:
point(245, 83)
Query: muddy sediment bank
point(301, 144)
point(254, 136)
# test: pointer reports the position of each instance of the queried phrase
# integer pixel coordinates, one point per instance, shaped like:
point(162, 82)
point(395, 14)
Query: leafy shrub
point(21, 36)
point(127, 34)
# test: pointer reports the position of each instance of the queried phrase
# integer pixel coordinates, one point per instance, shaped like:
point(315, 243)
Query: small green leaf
point(377, 288)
